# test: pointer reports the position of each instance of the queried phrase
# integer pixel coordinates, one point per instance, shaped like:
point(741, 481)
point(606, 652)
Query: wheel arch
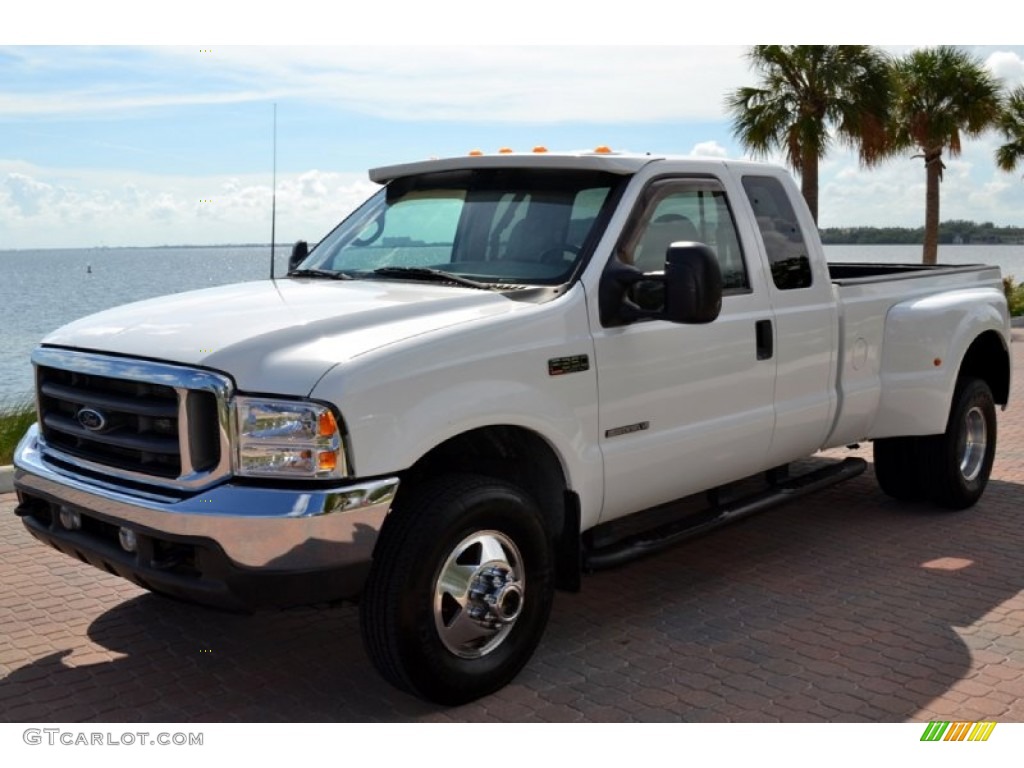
point(988, 359)
point(525, 459)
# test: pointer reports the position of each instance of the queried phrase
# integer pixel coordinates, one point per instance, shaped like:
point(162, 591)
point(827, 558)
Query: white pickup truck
point(500, 372)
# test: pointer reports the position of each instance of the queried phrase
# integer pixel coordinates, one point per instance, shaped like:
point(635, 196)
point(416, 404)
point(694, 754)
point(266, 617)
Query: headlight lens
point(288, 438)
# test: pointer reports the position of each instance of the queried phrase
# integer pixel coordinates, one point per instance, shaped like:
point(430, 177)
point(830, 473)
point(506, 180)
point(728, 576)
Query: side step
point(665, 536)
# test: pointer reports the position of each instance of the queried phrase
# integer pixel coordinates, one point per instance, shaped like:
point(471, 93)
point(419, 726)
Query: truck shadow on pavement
point(843, 607)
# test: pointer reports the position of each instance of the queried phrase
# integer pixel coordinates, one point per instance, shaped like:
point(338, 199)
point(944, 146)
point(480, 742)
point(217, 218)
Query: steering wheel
point(557, 255)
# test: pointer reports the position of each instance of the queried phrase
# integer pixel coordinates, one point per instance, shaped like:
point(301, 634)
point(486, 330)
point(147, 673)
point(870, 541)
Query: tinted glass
point(522, 226)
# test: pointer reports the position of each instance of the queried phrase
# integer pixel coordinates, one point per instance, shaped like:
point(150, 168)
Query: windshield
point(493, 226)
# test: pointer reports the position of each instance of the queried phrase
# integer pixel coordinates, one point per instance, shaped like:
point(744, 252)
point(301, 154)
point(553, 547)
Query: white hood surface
point(279, 337)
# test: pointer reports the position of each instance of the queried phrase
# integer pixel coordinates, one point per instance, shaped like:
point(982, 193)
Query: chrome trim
point(183, 380)
point(276, 529)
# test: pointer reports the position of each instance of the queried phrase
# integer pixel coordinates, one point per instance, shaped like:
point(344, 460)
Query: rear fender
point(925, 344)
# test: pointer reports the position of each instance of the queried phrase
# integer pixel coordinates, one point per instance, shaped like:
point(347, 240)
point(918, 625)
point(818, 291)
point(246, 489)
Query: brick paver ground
point(845, 606)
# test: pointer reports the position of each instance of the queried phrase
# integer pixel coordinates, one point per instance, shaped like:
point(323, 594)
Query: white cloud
point(25, 193)
point(893, 194)
point(709, 149)
point(525, 84)
point(37, 211)
point(1008, 66)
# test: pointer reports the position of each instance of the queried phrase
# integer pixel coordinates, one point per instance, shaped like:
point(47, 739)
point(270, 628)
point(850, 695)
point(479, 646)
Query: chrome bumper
point(271, 529)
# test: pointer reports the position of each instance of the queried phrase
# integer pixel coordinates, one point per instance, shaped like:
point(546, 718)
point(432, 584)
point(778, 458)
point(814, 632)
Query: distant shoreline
point(138, 247)
point(827, 239)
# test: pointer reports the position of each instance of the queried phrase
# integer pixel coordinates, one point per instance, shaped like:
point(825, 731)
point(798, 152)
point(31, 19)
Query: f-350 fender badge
point(559, 366)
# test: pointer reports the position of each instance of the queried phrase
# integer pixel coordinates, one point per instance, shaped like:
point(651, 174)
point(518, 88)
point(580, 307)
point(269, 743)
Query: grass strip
point(16, 415)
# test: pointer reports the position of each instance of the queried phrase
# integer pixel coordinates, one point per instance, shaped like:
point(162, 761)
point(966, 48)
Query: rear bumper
point(234, 546)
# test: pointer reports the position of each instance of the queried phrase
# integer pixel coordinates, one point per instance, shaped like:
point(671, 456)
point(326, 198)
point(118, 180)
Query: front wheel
point(956, 464)
point(460, 589)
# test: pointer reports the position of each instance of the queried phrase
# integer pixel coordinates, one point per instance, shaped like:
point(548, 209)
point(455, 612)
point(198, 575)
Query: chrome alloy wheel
point(975, 444)
point(478, 594)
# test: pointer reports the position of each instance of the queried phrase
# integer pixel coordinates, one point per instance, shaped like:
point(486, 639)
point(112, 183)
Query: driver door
point(683, 408)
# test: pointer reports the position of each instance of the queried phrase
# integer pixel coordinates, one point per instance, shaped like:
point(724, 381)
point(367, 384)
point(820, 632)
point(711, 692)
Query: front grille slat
point(142, 421)
point(139, 405)
point(118, 438)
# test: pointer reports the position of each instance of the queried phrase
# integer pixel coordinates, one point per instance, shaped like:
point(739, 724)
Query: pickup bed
point(498, 373)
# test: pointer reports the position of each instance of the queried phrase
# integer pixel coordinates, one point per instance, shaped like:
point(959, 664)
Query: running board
point(665, 536)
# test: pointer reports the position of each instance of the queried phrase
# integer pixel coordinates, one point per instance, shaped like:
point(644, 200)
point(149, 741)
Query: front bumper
point(234, 546)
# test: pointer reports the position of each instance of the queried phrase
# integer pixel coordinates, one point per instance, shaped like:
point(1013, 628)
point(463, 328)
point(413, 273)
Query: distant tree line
point(950, 233)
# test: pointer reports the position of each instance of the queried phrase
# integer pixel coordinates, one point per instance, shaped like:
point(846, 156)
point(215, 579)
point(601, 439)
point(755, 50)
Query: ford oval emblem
point(91, 419)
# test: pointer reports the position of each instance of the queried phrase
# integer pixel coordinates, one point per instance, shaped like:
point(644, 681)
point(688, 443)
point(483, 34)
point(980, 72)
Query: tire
point(460, 589)
point(956, 464)
point(898, 468)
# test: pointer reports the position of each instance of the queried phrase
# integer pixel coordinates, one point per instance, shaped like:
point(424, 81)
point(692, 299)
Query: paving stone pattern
point(845, 606)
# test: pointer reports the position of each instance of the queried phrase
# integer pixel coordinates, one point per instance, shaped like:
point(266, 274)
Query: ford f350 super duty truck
point(497, 373)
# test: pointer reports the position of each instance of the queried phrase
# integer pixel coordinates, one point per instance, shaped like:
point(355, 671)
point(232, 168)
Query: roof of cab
point(610, 162)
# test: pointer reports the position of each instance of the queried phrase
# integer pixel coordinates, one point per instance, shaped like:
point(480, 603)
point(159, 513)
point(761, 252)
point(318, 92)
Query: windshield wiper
point(320, 273)
point(434, 275)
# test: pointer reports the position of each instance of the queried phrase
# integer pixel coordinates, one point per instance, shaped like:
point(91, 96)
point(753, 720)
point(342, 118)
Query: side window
point(690, 210)
point(783, 239)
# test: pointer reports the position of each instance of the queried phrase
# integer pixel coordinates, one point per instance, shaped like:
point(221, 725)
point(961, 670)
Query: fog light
point(70, 519)
point(128, 541)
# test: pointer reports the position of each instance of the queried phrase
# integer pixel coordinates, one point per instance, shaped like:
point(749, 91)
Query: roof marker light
point(505, 151)
point(476, 153)
point(604, 149)
point(540, 150)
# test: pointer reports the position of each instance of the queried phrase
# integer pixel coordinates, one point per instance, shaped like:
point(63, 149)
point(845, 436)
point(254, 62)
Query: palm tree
point(941, 93)
point(810, 96)
point(1011, 125)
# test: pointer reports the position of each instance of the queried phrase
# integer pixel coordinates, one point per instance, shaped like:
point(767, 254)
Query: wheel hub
point(975, 444)
point(479, 594)
point(495, 597)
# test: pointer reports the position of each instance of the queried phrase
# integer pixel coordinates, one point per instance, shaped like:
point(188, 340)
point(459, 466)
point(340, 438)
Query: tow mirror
point(693, 284)
point(299, 253)
point(689, 292)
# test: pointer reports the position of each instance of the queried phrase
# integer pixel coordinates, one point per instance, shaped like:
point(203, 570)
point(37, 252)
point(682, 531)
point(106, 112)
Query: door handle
point(765, 339)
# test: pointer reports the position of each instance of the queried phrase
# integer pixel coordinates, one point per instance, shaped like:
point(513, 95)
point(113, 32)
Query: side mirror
point(689, 292)
point(693, 284)
point(299, 253)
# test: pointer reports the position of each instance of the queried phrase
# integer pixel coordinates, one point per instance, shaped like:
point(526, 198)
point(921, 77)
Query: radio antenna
point(273, 198)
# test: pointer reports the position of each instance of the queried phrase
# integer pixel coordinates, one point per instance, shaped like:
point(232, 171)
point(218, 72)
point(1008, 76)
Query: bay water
point(40, 290)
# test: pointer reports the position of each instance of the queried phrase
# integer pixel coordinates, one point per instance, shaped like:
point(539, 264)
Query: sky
point(115, 136)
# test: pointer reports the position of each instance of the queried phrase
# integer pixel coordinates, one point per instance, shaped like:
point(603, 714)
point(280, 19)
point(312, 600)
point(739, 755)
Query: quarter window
point(783, 239)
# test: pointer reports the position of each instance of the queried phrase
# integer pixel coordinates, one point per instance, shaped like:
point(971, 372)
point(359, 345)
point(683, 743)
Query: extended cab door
point(683, 408)
point(806, 315)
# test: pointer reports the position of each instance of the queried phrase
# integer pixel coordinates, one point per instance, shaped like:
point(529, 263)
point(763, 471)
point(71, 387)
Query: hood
point(279, 337)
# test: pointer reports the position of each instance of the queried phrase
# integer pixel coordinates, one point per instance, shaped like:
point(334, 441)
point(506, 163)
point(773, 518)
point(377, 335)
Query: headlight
point(287, 438)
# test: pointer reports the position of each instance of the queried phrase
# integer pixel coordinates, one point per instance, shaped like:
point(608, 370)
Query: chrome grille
point(139, 421)
point(144, 421)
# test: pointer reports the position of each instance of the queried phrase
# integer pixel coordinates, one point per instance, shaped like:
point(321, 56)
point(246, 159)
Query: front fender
point(402, 401)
